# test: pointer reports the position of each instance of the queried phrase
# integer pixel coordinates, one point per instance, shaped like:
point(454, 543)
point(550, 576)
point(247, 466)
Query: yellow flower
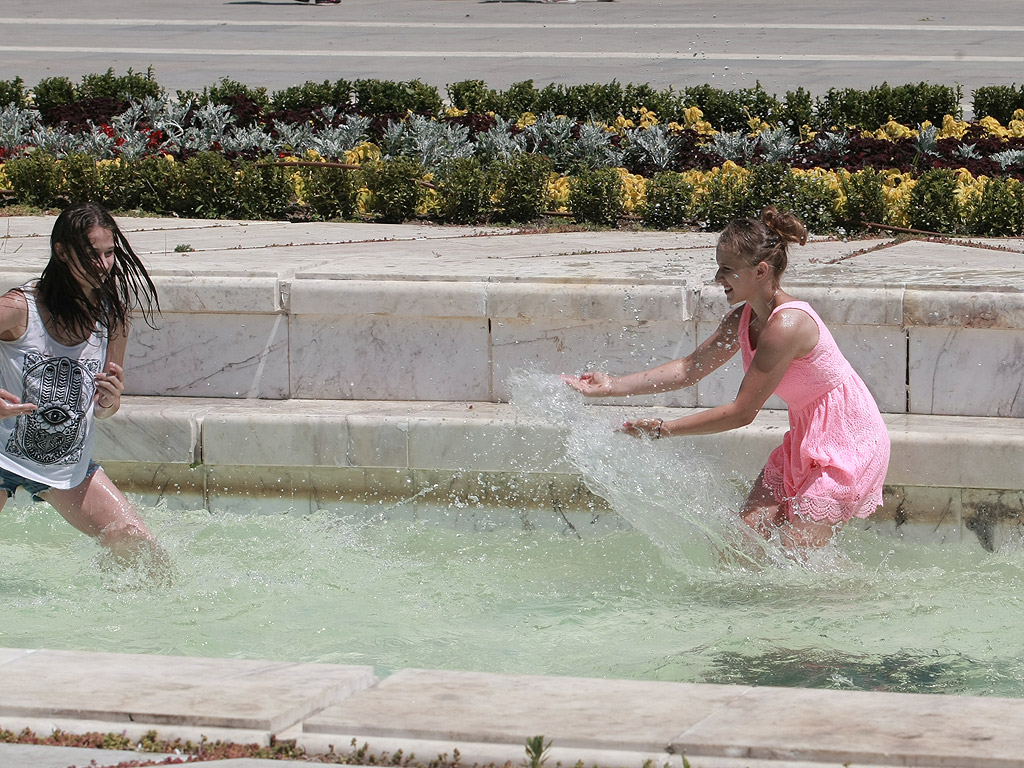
point(993, 127)
point(953, 128)
point(634, 188)
point(364, 200)
point(526, 119)
point(647, 118)
point(431, 202)
point(557, 192)
point(367, 152)
point(622, 122)
point(455, 112)
point(758, 126)
point(893, 131)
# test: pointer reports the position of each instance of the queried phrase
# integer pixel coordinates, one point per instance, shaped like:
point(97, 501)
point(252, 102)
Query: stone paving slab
point(42, 756)
point(508, 709)
point(862, 727)
point(118, 688)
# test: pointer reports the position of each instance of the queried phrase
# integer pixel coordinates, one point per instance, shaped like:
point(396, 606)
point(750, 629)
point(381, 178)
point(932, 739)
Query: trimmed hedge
point(696, 157)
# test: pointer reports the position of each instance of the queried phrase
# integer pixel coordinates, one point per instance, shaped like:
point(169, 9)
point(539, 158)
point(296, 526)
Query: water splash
point(683, 499)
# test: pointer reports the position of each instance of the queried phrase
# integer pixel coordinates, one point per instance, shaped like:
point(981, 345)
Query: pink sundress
point(832, 461)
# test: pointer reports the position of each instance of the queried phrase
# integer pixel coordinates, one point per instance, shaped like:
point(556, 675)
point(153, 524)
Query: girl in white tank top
point(62, 345)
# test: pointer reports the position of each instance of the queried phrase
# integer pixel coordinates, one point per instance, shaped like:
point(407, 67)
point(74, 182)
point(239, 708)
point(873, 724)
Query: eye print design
point(62, 389)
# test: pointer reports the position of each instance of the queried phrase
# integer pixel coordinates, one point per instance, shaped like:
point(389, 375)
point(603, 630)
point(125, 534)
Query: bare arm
point(110, 383)
point(13, 324)
point(684, 372)
point(789, 335)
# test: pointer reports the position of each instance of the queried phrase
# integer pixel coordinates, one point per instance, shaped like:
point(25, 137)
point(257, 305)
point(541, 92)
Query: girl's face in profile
point(735, 276)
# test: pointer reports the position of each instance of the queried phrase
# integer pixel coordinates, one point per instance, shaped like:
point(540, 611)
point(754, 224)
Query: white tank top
point(53, 444)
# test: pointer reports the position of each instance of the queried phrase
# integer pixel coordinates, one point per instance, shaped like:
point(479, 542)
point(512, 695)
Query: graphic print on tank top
point(63, 389)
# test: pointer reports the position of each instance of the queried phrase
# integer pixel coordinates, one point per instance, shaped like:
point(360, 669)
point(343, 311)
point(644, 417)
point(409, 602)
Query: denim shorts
point(10, 482)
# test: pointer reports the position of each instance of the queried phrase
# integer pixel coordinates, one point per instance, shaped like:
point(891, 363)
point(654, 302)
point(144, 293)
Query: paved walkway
point(489, 717)
point(734, 44)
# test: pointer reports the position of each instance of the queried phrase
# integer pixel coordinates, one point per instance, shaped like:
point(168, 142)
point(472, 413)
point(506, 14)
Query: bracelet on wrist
point(658, 431)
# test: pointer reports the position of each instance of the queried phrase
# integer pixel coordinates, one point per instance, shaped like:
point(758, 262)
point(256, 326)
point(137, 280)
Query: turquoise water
point(331, 588)
point(468, 588)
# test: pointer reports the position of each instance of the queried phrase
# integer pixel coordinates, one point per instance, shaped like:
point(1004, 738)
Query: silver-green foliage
point(734, 145)
point(17, 127)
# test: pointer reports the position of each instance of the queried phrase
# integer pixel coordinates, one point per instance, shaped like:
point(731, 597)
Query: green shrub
point(669, 201)
point(160, 185)
point(121, 181)
point(998, 101)
point(312, 95)
point(519, 98)
point(12, 93)
point(209, 181)
point(999, 209)
point(816, 203)
point(381, 97)
point(797, 110)
point(865, 200)
point(522, 187)
point(81, 183)
point(732, 110)
point(933, 204)
point(584, 102)
point(36, 179)
point(722, 199)
point(262, 191)
point(907, 104)
point(128, 87)
point(464, 191)
point(473, 96)
point(770, 184)
point(53, 92)
point(395, 188)
point(229, 91)
point(597, 197)
point(330, 193)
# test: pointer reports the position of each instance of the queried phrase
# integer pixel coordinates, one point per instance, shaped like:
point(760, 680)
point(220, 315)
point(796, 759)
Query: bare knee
point(809, 534)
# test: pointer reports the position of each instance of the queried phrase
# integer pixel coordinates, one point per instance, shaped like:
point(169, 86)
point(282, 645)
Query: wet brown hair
point(126, 287)
point(764, 239)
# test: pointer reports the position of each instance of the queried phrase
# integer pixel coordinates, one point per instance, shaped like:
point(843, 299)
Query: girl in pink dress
point(832, 461)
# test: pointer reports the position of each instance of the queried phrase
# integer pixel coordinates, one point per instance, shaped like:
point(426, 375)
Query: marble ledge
point(976, 453)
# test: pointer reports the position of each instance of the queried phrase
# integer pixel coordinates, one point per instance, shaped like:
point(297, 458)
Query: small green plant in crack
point(183, 248)
point(536, 751)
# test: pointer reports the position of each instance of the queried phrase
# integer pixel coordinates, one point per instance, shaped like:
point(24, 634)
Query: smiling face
point(734, 275)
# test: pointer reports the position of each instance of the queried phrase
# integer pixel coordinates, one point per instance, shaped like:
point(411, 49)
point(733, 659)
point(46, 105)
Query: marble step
point(947, 475)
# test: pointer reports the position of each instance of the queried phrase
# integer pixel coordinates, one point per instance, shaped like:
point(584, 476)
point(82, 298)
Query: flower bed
point(393, 151)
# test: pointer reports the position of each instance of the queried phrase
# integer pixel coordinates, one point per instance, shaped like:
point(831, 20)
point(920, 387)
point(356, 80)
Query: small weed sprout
point(536, 751)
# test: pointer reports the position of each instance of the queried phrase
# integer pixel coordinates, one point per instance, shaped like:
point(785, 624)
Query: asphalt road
point(729, 44)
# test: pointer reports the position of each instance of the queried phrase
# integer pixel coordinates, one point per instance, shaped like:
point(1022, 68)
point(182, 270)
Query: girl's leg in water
point(767, 517)
point(797, 534)
point(761, 511)
point(98, 508)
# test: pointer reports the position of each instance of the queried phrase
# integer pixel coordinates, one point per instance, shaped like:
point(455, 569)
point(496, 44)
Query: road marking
point(593, 55)
point(713, 24)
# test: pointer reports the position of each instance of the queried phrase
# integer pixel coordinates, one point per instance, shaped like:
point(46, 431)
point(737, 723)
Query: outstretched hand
point(11, 405)
point(591, 383)
point(643, 428)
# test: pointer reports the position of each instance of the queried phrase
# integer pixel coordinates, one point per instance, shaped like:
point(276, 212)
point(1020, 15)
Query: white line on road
point(712, 24)
point(593, 55)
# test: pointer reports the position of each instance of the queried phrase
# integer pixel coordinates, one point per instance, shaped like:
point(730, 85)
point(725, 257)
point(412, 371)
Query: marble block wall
point(919, 350)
